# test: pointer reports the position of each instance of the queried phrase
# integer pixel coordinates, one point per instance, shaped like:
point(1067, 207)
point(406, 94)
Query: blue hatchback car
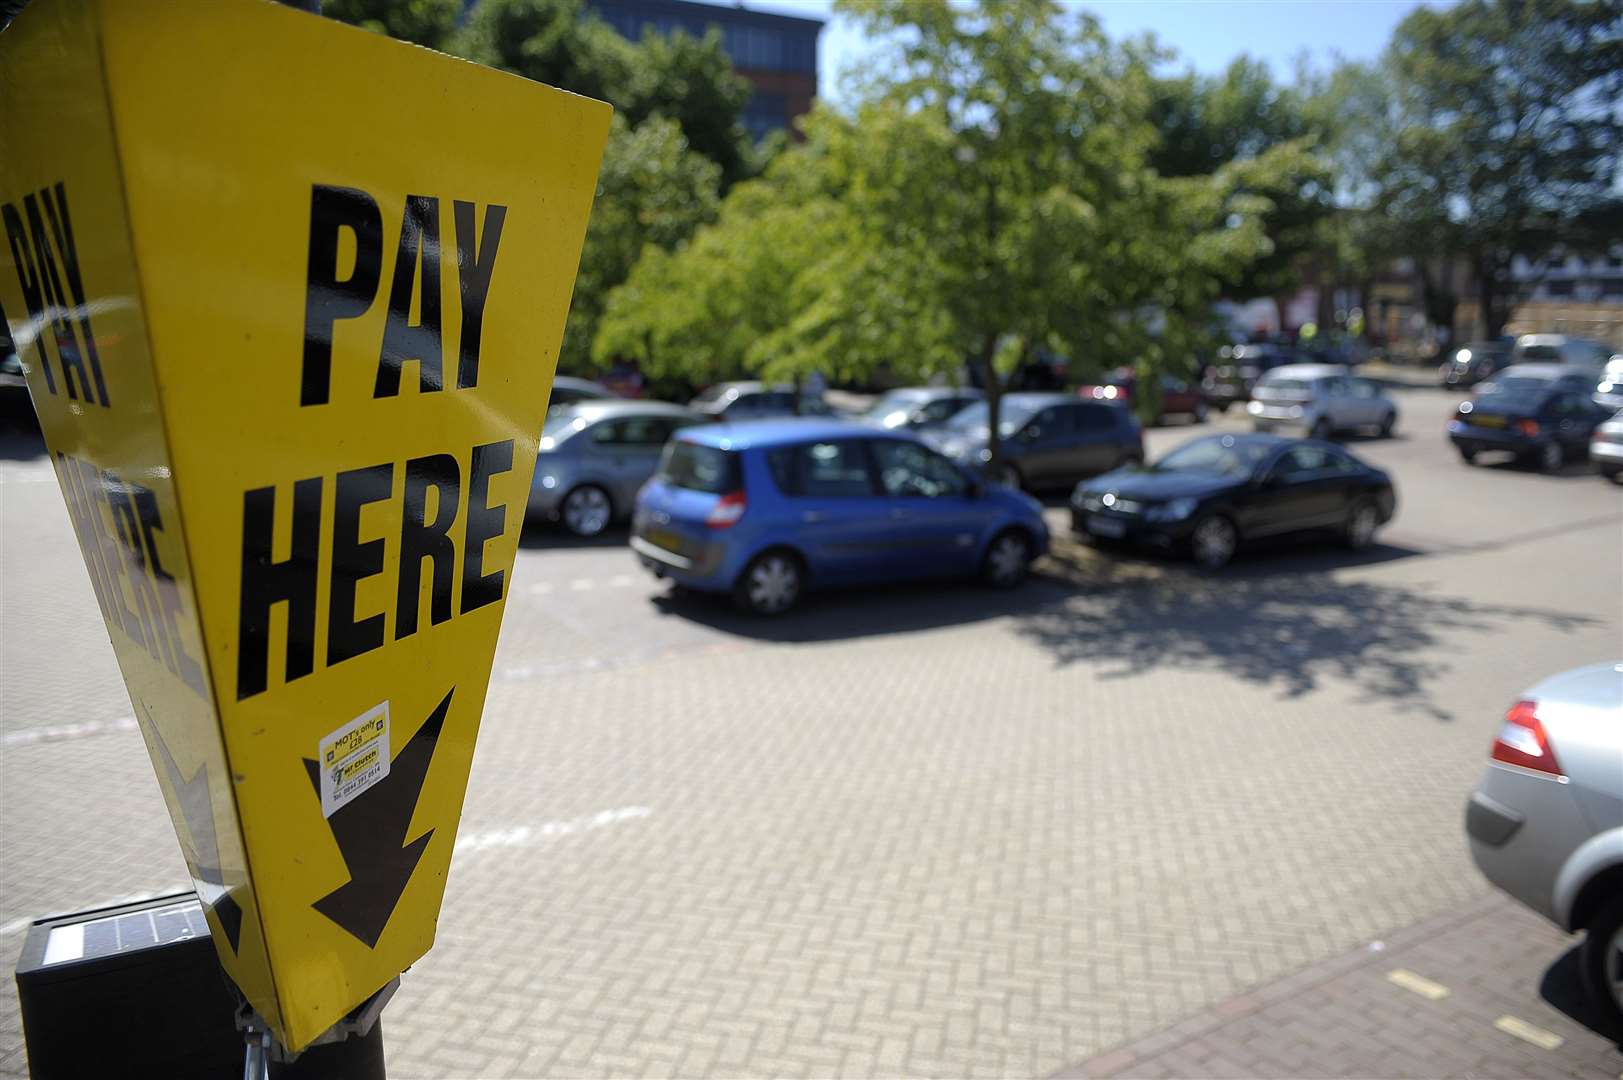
point(768, 509)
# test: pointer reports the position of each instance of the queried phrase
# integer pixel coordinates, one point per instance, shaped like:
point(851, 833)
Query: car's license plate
point(1100, 526)
point(665, 538)
point(1488, 421)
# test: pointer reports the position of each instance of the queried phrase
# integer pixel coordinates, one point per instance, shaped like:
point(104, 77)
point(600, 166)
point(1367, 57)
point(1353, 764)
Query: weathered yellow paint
point(191, 190)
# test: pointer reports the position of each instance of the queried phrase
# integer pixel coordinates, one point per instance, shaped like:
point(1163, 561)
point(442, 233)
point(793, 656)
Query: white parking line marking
point(29, 736)
point(541, 588)
point(522, 835)
point(1418, 984)
point(620, 581)
point(581, 584)
point(1521, 1029)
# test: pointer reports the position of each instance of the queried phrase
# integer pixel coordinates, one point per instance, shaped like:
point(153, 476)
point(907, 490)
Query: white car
point(1321, 399)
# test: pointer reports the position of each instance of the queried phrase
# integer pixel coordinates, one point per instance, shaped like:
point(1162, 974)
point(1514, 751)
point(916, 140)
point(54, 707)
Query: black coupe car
point(1212, 494)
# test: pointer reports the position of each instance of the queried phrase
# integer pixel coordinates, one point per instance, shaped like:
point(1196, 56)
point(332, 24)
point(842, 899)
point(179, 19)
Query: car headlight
point(1294, 412)
point(1176, 510)
point(545, 479)
point(984, 455)
point(1253, 406)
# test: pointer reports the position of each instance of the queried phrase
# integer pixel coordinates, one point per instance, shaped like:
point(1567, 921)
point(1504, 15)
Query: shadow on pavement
point(1277, 618)
point(21, 439)
point(542, 535)
point(1562, 987)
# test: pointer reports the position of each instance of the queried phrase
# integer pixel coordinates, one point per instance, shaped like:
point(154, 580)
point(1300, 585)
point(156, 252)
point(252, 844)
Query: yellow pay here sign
point(289, 297)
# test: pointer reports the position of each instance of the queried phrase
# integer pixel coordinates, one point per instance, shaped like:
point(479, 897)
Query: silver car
point(594, 455)
point(1606, 448)
point(1321, 399)
point(1546, 820)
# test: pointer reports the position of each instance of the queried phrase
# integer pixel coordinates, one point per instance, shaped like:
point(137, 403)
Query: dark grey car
point(594, 455)
point(1049, 440)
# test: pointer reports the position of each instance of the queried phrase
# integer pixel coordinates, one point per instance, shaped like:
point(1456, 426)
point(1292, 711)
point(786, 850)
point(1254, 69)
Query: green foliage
point(1510, 133)
point(992, 196)
point(652, 193)
point(551, 41)
point(1265, 128)
point(422, 22)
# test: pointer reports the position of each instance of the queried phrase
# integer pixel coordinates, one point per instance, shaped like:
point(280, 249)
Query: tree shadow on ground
point(1280, 618)
point(1562, 987)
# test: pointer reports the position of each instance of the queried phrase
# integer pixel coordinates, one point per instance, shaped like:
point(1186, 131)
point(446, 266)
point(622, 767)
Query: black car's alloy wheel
point(1361, 525)
point(1213, 541)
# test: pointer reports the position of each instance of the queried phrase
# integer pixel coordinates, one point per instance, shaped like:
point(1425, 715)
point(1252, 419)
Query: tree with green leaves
point(991, 196)
point(1510, 133)
point(421, 22)
point(653, 191)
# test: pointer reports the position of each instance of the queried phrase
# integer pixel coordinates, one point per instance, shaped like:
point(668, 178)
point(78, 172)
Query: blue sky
point(1207, 34)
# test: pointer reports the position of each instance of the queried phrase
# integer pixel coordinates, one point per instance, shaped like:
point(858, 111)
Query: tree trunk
point(797, 393)
point(994, 401)
point(1487, 292)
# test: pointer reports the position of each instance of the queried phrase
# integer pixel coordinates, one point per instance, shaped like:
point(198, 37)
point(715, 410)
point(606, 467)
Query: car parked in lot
point(1606, 448)
point(1215, 493)
point(919, 408)
point(1049, 440)
point(1546, 820)
point(1609, 391)
point(1542, 414)
point(594, 455)
point(769, 509)
point(568, 390)
point(754, 401)
point(1560, 349)
point(1230, 380)
point(1320, 399)
point(1178, 397)
point(1472, 364)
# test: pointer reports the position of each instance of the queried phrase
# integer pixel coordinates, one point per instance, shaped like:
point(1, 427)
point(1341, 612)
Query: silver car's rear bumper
point(1523, 827)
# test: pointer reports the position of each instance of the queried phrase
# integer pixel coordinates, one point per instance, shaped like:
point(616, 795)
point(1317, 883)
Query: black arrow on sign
point(202, 844)
point(371, 834)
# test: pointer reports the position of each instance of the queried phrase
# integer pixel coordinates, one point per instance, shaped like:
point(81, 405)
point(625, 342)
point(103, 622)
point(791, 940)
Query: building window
point(764, 113)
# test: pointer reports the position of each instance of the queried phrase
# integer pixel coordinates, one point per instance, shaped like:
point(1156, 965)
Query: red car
point(1178, 398)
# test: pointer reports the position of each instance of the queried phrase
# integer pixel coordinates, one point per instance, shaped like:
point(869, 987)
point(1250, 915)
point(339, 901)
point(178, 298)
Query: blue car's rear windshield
point(700, 468)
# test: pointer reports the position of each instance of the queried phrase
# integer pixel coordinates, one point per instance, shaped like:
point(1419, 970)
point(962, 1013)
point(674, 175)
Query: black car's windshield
point(1219, 455)
point(1012, 415)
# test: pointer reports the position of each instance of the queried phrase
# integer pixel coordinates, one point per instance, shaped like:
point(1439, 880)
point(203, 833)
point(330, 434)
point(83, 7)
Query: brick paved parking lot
point(1505, 1007)
point(930, 830)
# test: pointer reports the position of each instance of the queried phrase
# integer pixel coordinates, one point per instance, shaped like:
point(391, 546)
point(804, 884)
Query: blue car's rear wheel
point(770, 584)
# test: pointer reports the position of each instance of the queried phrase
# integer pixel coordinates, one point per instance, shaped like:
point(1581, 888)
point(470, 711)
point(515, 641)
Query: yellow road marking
point(1418, 984)
point(1544, 1040)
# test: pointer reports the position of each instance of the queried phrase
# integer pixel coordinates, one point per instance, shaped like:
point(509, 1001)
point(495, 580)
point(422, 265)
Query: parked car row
point(1541, 414)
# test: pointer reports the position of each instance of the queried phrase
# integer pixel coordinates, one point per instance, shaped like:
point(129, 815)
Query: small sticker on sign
point(353, 758)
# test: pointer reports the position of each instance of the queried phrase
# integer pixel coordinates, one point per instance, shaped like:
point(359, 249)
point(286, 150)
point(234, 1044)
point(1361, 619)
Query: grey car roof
point(601, 408)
